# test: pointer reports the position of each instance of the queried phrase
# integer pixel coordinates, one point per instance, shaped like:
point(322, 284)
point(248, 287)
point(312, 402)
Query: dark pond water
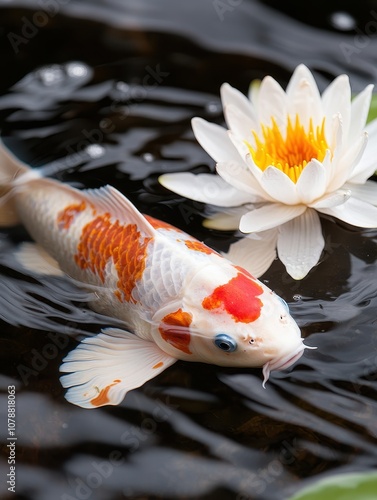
point(103, 92)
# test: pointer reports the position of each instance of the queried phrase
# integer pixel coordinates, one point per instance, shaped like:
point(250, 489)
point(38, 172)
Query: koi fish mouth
point(283, 362)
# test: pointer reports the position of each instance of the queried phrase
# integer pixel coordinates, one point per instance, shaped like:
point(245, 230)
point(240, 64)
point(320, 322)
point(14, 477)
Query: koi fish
point(179, 298)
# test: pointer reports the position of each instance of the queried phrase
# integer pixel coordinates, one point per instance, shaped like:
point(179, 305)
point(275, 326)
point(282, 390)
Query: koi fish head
point(229, 318)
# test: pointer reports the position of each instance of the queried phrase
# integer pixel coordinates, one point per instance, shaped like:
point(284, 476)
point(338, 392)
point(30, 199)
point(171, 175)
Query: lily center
point(292, 151)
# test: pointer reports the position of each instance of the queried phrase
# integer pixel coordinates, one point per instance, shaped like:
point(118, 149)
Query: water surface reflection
point(104, 93)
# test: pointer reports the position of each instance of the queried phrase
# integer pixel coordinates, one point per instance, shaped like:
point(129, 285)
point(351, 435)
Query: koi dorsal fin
point(109, 200)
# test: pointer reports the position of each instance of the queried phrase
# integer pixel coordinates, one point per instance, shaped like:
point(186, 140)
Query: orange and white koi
point(179, 298)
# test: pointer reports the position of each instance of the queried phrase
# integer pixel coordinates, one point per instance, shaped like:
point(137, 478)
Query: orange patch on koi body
point(178, 337)
point(159, 224)
point(103, 396)
point(67, 216)
point(198, 246)
point(158, 365)
point(238, 298)
point(102, 240)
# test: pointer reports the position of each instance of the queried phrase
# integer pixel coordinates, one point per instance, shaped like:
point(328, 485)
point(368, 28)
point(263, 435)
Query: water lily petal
point(304, 98)
point(312, 182)
point(355, 212)
point(279, 186)
point(272, 102)
point(300, 244)
point(214, 139)
point(366, 192)
point(233, 97)
point(240, 123)
point(301, 72)
point(206, 188)
point(332, 199)
point(335, 143)
point(335, 136)
point(254, 169)
point(269, 216)
point(371, 129)
point(254, 255)
point(243, 150)
point(360, 109)
point(368, 163)
point(344, 167)
point(336, 100)
point(240, 177)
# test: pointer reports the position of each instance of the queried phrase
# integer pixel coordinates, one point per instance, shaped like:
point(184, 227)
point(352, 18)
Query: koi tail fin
point(12, 171)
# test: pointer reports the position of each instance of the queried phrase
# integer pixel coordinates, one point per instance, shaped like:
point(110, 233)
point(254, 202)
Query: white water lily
point(286, 156)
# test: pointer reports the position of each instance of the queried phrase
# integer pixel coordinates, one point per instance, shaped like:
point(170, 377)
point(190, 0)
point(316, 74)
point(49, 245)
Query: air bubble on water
point(122, 87)
point(51, 75)
point(342, 21)
point(76, 70)
point(297, 297)
point(95, 150)
point(148, 157)
point(56, 74)
point(213, 107)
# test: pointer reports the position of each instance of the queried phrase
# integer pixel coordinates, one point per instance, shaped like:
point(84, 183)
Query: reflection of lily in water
point(286, 156)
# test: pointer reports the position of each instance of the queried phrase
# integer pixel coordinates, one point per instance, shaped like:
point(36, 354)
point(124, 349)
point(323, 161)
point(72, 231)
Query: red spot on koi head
point(238, 298)
point(68, 215)
point(102, 240)
point(179, 337)
point(103, 396)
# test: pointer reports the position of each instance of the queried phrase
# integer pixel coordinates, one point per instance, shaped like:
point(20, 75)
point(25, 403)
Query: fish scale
point(166, 270)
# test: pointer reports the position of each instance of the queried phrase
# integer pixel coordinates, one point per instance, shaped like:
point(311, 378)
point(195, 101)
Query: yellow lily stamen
point(291, 153)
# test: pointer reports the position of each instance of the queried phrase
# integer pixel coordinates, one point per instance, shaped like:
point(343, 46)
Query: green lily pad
point(360, 486)
point(373, 109)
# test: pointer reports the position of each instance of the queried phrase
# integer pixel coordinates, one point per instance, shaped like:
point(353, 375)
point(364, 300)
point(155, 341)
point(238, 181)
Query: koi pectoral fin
point(102, 369)
point(34, 258)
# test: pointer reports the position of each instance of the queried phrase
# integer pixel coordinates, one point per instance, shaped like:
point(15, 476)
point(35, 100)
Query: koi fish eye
point(225, 342)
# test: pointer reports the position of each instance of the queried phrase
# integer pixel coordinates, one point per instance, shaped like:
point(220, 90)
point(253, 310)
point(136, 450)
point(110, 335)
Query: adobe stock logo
point(30, 26)
point(222, 7)
point(362, 39)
